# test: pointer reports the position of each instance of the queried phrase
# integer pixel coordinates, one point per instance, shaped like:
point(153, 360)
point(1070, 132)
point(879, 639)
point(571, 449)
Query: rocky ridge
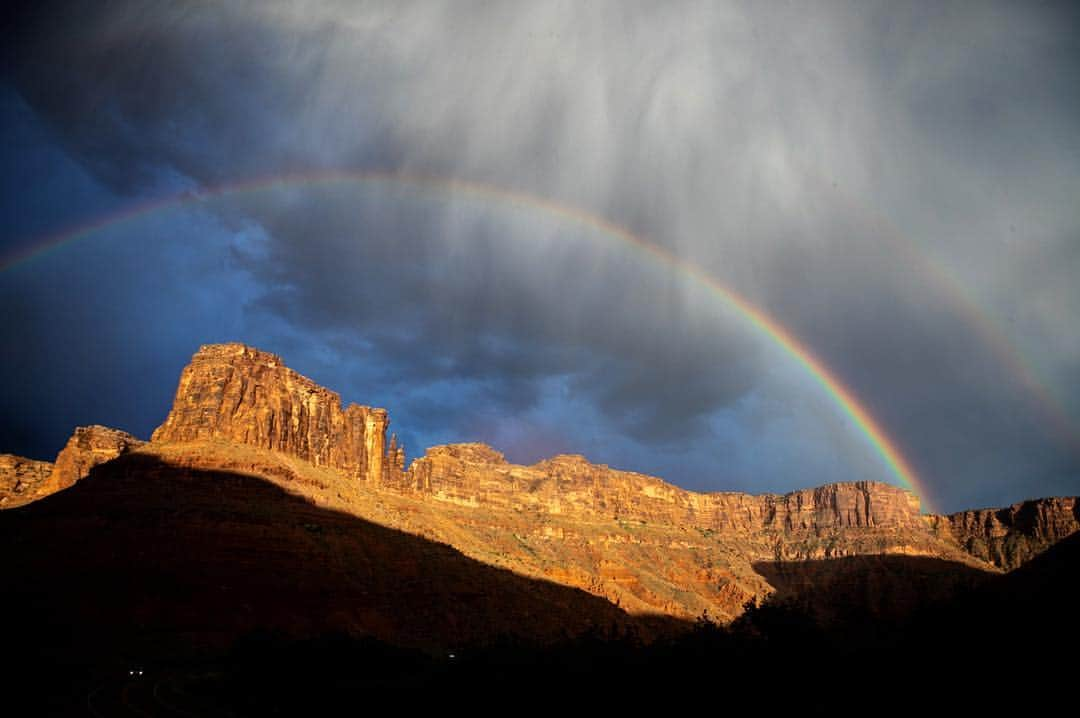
point(25, 480)
point(88, 447)
point(237, 393)
point(1011, 536)
point(641, 543)
point(477, 475)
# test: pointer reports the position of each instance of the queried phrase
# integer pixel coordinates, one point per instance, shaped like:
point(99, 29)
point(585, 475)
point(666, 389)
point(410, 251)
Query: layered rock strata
point(643, 544)
point(241, 394)
point(88, 447)
point(23, 480)
point(1013, 535)
point(828, 521)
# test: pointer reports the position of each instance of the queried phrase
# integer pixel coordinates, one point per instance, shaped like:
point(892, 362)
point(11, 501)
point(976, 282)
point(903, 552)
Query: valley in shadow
point(181, 591)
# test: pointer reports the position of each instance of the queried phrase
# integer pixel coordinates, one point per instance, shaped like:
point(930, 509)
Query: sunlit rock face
point(25, 480)
point(22, 480)
point(1011, 536)
point(641, 543)
point(825, 522)
point(88, 447)
point(476, 474)
point(238, 393)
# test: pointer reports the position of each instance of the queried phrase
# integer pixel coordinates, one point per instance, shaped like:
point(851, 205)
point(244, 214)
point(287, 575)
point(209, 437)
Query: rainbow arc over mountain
point(761, 321)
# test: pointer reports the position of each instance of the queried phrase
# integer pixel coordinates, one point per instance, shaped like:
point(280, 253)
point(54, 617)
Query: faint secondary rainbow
point(840, 394)
point(1007, 353)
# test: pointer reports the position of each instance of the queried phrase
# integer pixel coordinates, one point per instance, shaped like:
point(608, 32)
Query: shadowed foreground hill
point(144, 561)
point(269, 548)
point(645, 545)
point(868, 591)
point(1034, 607)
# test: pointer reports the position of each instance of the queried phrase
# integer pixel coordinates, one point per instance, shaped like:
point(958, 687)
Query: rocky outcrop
point(88, 447)
point(650, 546)
point(22, 480)
point(1013, 535)
point(241, 394)
point(394, 472)
point(25, 480)
point(477, 475)
point(645, 545)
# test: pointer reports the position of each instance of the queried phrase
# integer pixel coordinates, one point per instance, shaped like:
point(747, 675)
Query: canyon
point(258, 469)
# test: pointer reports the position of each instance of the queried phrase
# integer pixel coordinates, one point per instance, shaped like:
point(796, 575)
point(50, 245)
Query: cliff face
point(1013, 535)
point(240, 394)
point(25, 480)
point(243, 395)
point(801, 524)
point(645, 545)
point(649, 546)
point(22, 480)
point(88, 447)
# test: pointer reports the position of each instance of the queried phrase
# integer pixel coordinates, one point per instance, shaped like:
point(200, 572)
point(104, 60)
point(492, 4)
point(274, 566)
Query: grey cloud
point(802, 155)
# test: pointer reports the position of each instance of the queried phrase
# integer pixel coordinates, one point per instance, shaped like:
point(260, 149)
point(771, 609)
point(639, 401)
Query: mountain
point(261, 492)
point(235, 393)
point(145, 550)
point(1011, 536)
point(25, 480)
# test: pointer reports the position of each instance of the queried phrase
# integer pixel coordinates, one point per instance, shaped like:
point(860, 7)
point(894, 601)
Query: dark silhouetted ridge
point(143, 561)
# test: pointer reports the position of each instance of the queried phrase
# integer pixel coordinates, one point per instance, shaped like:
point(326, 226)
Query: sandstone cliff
point(241, 394)
point(88, 447)
point(22, 480)
point(645, 545)
point(1013, 535)
point(652, 547)
point(25, 480)
point(829, 521)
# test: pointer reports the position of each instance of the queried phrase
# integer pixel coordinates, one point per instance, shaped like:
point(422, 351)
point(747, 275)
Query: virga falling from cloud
point(740, 136)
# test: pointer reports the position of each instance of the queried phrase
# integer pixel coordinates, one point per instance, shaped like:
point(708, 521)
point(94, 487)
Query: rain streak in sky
point(524, 223)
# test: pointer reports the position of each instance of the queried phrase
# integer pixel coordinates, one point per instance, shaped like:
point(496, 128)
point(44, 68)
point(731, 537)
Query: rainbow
point(840, 394)
point(1005, 352)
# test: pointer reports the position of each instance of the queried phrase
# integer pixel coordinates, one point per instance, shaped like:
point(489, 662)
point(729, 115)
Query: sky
point(892, 183)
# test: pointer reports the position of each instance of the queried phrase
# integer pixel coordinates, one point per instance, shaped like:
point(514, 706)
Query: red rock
point(475, 474)
point(22, 480)
point(1011, 536)
point(641, 543)
point(241, 394)
point(88, 447)
point(25, 480)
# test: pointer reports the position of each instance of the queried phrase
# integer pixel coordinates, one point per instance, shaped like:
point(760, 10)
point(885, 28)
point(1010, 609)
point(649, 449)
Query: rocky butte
point(235, 393)
point(640, 543)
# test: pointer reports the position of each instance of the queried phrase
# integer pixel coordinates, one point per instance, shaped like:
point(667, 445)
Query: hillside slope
point(646, 546)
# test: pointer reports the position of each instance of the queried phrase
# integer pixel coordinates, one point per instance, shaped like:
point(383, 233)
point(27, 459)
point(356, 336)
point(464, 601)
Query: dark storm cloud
point(804, 156)
point(96, 333)
point(484, 306)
